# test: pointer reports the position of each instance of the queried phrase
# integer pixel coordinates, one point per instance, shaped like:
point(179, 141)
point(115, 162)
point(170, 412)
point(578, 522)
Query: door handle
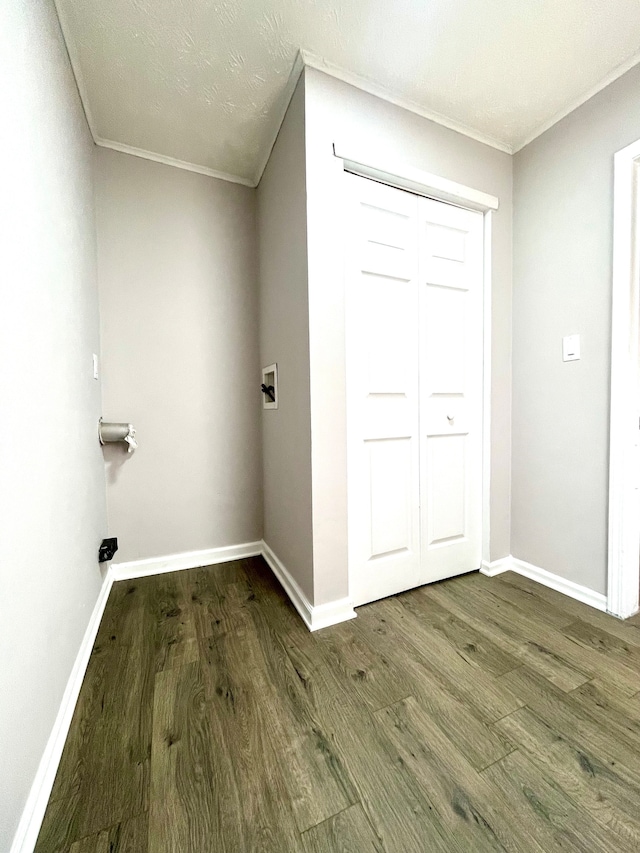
point(450, 418)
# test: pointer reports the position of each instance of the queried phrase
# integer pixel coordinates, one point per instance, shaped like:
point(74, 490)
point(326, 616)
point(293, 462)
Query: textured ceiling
point(205, 81)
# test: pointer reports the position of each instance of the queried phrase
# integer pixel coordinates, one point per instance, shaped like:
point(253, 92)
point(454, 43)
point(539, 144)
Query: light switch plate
point(96, 372)
point(571, 348)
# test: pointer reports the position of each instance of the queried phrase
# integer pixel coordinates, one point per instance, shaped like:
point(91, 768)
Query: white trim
point(35, 807)
point(621, 69)
point(497, 567)
point(171, 161)
point(294, 75)
point(623, 569)
point(397, 174)
point(186, 560)
point(314, 617)
point(542, 576)
point(560, 584)
point(486, 391)
point(377, 90)
point(74, 61)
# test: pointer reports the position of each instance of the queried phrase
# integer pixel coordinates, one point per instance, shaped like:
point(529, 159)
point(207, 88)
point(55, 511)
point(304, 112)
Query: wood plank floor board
point(318, 784)
point(468, 643)
point(628, 629)
point(123, 621)
point(526, 600)
point(610, 708)
point(612, 648)
point(216, 600)
point(130, 836)
point(527, 639)
point(472, 716)
point(194, 798)
point(357, 666)
point(239, 702)
point(546, 812)
point(571, 718)
point(168, 607)
point(393, 801)
point(458, 795)
point(593, 785)
point(463, 677)
point(348, 831)
point(110, 750)
point(476, 739)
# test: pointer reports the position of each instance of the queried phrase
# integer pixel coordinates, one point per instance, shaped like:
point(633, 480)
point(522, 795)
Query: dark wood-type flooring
point(468, 716)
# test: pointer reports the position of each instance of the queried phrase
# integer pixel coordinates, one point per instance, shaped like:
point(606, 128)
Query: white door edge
point(623, 564)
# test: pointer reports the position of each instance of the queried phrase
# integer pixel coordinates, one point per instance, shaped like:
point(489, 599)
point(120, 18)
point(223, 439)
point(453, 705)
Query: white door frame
point(623, 570)
point(400, 175)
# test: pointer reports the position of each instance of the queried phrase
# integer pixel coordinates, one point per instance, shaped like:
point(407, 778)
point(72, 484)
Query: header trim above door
point(415, 180)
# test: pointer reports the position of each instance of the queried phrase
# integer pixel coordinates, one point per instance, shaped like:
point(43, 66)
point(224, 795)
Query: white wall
point(563, 198)
point(284, 338)
point(52, 503)
point(179, 317)
point(337, 112)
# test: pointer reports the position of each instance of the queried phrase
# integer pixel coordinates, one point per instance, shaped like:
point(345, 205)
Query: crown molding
point(617, 72)
point(74, 60)
point(282, 105)
point(172, 161)
point(309, 59)
point(365, 85)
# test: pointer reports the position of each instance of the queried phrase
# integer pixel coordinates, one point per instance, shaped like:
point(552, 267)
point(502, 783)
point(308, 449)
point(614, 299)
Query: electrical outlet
point(107, 550)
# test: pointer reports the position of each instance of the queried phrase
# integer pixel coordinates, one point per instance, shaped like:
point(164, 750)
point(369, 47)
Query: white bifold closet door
point(414, 389)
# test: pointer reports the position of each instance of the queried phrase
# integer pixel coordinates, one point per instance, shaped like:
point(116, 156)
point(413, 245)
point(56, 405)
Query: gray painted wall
point(563, 200)
point(52, 503)
point(284, 338)
point(337, 112)
point(179, 317)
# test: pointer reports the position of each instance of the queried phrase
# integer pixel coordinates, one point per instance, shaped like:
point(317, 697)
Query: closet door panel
point(382, 386)
point(451, 353)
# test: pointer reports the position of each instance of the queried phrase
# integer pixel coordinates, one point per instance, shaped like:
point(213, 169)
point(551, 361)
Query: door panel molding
point(446, 259)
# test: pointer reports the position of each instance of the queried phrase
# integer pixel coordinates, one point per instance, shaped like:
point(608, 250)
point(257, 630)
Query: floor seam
point(331, 816)
point(502, 758)
point(391, 704)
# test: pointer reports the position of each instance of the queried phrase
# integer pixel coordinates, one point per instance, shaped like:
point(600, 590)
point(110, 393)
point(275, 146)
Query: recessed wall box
point(269, 387)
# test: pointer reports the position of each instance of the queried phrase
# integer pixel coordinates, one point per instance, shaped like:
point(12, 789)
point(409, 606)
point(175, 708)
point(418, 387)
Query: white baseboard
point(27, 833)
point(314, 617)
point(186, 560)
point(497, 567)
point(542, 576)
point(560, 584)
point(321, 616)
